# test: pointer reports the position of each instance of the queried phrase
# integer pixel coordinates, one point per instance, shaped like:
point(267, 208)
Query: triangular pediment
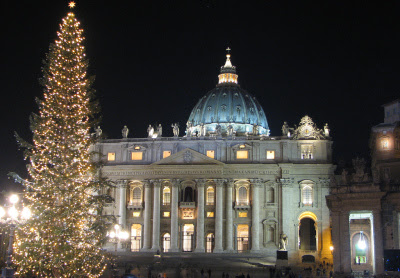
point(188, 157)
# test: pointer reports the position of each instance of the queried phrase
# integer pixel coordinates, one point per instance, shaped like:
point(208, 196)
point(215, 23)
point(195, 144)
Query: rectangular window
point(242, 154)
point(166, 154)
point(211, 153)
point(270, 154)
point(137, 155)
point(166, 214)
point(242, 214)
point(111, 156)
point(210, 214)
point(307, 195)
point(136, 214)
point(307, 151)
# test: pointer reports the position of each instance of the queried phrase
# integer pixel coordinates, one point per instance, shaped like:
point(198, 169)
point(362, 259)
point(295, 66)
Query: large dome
point(227, 109)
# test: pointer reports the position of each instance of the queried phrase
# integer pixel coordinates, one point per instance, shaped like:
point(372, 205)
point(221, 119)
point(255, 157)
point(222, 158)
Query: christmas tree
point(65, 235)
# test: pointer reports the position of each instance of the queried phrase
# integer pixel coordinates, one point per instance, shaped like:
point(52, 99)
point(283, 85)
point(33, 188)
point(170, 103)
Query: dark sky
point(337, 61)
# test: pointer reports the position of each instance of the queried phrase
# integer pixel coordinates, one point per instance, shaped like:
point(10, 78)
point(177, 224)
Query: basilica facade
point(224, 185)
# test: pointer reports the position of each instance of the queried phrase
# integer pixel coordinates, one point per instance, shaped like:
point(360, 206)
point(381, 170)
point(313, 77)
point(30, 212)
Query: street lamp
point(11, 216)
point(118, 236)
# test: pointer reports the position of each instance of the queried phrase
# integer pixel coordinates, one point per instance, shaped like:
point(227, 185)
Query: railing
point(242, 204)
point(135, 205)
point(187, 204)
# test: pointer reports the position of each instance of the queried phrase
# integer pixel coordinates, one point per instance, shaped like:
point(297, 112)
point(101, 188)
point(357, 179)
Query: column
point(378, 246)
point(147, 216)
point(229, 221)
point(122, 184)
point(156, 215)
point(345, 248)
point(255, 214)
point(218, 216)
point(335, 218)
point(200, 217)
point(174, 216)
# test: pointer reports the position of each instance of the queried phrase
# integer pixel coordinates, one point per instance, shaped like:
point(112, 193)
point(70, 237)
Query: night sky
point(336, 61)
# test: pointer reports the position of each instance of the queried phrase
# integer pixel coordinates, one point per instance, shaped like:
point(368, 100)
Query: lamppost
point(118, 235)
point(11, 216)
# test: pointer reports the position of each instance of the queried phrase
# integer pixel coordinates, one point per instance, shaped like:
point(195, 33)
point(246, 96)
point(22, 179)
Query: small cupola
point(228, 72)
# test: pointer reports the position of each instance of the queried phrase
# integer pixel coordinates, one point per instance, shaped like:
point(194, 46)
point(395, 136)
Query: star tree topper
point(72, 4)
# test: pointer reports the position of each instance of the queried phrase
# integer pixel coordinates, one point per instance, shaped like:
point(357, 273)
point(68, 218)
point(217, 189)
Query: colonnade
point(224, 192)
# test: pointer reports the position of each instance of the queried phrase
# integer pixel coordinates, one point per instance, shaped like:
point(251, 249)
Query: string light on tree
point(66, 236)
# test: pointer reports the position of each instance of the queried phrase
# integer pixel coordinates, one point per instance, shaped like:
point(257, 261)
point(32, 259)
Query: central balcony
point(187, 205)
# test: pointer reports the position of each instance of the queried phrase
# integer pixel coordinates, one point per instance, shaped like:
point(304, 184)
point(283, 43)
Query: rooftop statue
point(125, 132)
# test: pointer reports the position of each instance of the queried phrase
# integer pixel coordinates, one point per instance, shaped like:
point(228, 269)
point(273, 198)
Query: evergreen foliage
point(64, 237)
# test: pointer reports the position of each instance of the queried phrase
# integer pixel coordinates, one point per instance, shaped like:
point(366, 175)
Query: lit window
point(137, 148)
point(385, 144)
point(166, 154)
point(242, 214)
point(210, 214)
point(242, 196)
point(210, 195)
point(136, 214)
point(270, 154)
point(166, 213)
point(111, 157)
point(242, 155)
point(137, 155)
point(210, 153)
point(166, 196)
point(136, 196)
point(307, 194)
point(307, 151)
point(242, 146)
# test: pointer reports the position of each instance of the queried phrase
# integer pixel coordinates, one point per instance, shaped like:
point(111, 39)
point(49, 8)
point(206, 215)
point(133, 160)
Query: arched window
point(242, 238)
point(136, 196)
point(243, 196)
point(166, 242)
point(166, 196)
point(188, 194)
point(210, 195)
point(307, 193)
point(210, 243)
point(136, 233)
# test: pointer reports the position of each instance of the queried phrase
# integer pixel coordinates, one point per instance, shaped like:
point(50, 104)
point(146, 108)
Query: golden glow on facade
point(166, 154)
point(211, 153)
point(210, 214)
point(111, 156)
point(270, 154)
point(137, 155)
point(227, 78)
point(242, 155)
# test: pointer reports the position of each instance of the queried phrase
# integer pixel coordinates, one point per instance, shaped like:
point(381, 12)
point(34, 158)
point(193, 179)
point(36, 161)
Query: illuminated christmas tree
point(65, 235)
